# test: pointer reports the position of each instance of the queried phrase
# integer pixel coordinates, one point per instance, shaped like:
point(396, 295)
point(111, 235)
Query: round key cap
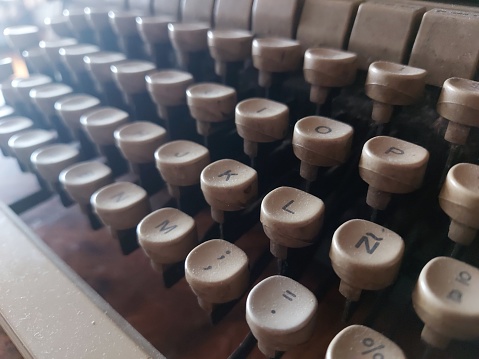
point(45, 97)
point(217, 272)
point(10, 95)
point(281, 314)
point(59, 25)
point(71, 108)
point(390, 165)
point(459, 198)
point(366, 256)
point(83, 179)
point(154, 29)
point(228, 185)
point(6, 111)
point(321, 142)
point(37, 61)
point(210, 103)
point(389, 84)
point(52, 47)
point(167, 236)
point(180, 164)
point(445, 298)
point(101, 123)
point(78, 21)
point(50, 160)
point(6, 68)
point(291, 218)
point(130, 75)
point(260, 120)
point(22, 37)
point(168, 88)
point(229, 46)
point(99, 64)
point(124, 22)
point(138, 141)
point(11, 126)
point(325, 68)
point(22, 145)
point(458, 103)
point(272, 55)
point(98, 18)
point(23, 86)
point(187, 38)
point(73, 56)
point(358, 341)
point(121, 205)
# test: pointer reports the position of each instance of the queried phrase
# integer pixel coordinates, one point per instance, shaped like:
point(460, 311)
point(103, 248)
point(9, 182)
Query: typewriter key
point(228, 185)
point(459, 198)
point(358, 341)
point(291, 218)
point(390, 165)
point(281, 314)
point(22, 37)
point(320, 142)
point(445, 298)
point(260, 120)
point(11, 126)
point(23, 144)
point(217, 272)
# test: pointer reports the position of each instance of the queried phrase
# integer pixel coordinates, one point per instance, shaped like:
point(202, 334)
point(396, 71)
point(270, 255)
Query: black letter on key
point(119, 197)
point(228, 174)
point(285, 207)
point(164, 227)
point(365, 240)
point(395, 150)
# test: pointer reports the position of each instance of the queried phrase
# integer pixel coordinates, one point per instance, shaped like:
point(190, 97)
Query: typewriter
point(240, 179)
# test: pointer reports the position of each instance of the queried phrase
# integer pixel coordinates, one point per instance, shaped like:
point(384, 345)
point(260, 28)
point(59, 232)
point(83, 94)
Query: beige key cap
point(291, 218)
point(73, 56)
point(59, 25)
point(120, 205)
point(167, 236)
point(384, 32)
point(45, 96)
point(210, 103)
point(52, 47)
point(217, 272)
point(22, 37)
point(445, 298)
point(50, 160)
point(228, 185)
point(36, 60)
point(187, 38)
point(273, 55)
point(98, 18)
point(154, 29)
point(197, 10)
point(23, 86)
point(78, 20)
point(281, 314)
point(6, 68)
point(99, 64)
point(390, 165)
point(11, 126)
point(321, 142)
point(366, 256)
point(232, 14)
point(101, 123)
point(23, 144)
point(325, 68)
point(326, 23)
point(138, 141)
point(168, 89)
point(275, 18)
point(6, 111)
point(389, 84)
point(180, 164)
point(229, 46)
point(71, 108)
point(130, 75)
point(459, 198)
point(358, 341)
point(460, 31)
point(459, 104)
point(83, 179)
point(260, 120)
point(124, 22)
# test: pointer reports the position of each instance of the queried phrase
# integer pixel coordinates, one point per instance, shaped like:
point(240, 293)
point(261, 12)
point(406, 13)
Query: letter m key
point(164, 226)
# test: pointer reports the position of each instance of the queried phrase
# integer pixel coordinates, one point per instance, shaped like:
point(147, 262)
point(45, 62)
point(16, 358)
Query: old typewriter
point(240, 179)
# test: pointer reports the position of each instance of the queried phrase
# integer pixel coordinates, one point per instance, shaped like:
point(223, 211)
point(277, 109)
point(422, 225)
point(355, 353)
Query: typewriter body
point(395, 58)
